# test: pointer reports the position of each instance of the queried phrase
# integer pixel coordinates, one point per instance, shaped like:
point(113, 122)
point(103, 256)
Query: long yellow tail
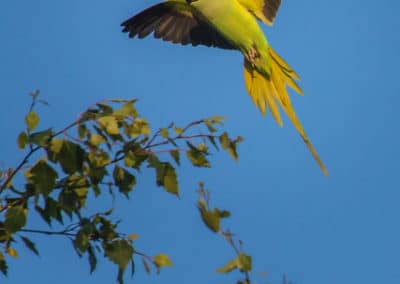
point(268, 92)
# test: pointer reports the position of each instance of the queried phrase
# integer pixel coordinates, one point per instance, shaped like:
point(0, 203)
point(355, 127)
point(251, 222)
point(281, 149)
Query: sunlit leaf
point(211, 218)
point(164, 133)
point(56, 145)
point(244, 262)
point(109, 124)
point(133, 160)
point(31, 120)
point(12, 252)
point(126, 110)
point(96, 139)
point(162, 260)
point(231, 265)
point(241, 262)
point(133, 237)
point(170, 179)
point(230, 145)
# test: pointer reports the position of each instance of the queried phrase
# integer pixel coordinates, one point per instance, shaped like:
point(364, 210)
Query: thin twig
point(44, 232)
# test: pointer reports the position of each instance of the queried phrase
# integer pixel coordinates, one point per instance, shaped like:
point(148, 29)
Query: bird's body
point(229, 17)
point(229, 24)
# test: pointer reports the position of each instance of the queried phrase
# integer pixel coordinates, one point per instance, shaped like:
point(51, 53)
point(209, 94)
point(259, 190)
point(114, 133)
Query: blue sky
point(337, 229)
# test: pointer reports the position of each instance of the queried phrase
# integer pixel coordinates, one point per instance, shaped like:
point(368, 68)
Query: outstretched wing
point(264, 10)
point(175, 22)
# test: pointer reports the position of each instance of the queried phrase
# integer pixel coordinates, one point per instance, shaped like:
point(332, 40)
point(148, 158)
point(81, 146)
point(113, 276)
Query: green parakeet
point(230, 24)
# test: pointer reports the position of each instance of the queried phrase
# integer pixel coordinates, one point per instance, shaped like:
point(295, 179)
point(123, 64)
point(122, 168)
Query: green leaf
point(109, 124)
point(178, 130)
point(133, 237)
point(96, 175)
point(30, 245)
point(176, 156)
point(216, 119)
point(56, 145)
point(31, 120)
point(126, 110)
point(105, 109)
point(92, 259)
point(41, 138)
point(82, 131)
point(99, 158)
point(212, 140)
point(244, 262)
point(210, 126)
point(96, 139)
point(224, 213)
point(12, 252)
point(15, 219)
point(162, 260)
point(165, 175)
point(230, 145)
point(107, 230)
point(81, 192)
point(52, 210)
point(81, 241)
point(3, 266)
point(197, 155)
point(42, 177)
point(124, 180)
point(138, 127)
point(69, 201)
point(134, 160)
point(146, 265)
point(231, 265)
point(119, 251)
point(211, 218)
point(164, 132)
point(4, 235)
point(23, 140)
point(71, 157)
point(170, 180)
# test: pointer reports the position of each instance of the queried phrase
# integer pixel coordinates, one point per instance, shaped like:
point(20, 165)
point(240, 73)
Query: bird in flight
point(230, 24)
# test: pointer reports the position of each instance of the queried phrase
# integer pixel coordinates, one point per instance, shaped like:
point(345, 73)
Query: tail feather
point(266, 92)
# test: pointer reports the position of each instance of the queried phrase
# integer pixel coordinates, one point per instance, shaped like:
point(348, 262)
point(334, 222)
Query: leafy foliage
point(212, 219)
point(101, 153)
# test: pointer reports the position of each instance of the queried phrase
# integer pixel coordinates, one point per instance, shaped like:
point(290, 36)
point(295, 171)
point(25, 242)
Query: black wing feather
point(175, 22)
point(270, 9)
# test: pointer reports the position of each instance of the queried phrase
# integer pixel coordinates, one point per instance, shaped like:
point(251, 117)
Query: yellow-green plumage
point(230, 24)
